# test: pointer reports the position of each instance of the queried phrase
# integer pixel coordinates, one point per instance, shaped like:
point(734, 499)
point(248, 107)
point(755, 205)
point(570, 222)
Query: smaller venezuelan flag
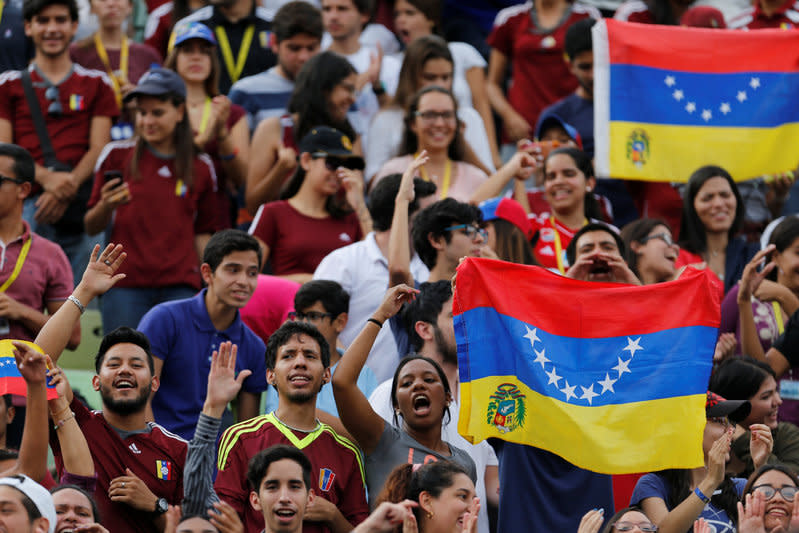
point(610, 377)
point(76, 102)
point(11, 381)
point(163, 470)
point(326, 477)
point(180, 188)
point(670, 99)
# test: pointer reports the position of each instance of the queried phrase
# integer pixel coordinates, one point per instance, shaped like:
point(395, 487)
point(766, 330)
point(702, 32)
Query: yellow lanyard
point(558, 245)
point(235, 70)
point(778, 317)
point(2, 5)
point(23, 254)
point(444, 182)
point(122, 78)
point(206, 115)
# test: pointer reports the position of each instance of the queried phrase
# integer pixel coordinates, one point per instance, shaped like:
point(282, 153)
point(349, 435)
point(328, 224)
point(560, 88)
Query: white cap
point(42, 499)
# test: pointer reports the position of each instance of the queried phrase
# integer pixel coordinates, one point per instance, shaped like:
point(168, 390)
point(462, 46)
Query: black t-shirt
point(788, 342)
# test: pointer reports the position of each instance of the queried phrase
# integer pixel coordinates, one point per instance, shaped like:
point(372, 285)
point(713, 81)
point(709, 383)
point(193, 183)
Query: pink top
point(465, 177)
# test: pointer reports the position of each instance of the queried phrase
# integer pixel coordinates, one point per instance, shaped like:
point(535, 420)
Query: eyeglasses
point(628, 526)
point(665, 237)
point(723, 420)
point(332, 162)
point(12, 180)
point(431, 116)
point(311, 316)
point(470, 230)
point(53, 96)
point(786, 491)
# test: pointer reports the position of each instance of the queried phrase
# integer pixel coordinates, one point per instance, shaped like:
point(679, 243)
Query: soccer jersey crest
point(164, 470)
point(326, 477)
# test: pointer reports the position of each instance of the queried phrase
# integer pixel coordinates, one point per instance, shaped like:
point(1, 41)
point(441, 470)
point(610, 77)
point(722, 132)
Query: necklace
point(318, 425)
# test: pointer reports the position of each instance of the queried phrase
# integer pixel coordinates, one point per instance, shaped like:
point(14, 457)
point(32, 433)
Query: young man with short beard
point(297, 362)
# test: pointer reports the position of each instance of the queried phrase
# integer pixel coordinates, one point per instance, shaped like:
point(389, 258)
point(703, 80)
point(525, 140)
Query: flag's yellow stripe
point(614, 439)
point(676, 151)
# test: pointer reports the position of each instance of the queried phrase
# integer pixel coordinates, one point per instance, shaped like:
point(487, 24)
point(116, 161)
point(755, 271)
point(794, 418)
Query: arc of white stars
point(724, 108)
point(690, 107)
point(669, 81)
point(678, 94)
point(532, 335)
point(554, 378)
point(568, 390)
point(588, 393)
point(623, 366)
point(706, 115)
point(541, 358)
point(632, 346)
point(741, 96)
point(607, 384)
point(754, 83)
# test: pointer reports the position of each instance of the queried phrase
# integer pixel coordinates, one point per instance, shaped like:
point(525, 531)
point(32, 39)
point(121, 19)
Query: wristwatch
point(161, 506)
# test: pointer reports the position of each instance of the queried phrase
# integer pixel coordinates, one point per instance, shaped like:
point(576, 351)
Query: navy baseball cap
point(191, 30)
point(549, 120)
point(158, 82)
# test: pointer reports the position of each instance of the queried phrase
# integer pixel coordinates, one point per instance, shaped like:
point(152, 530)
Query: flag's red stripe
point(702, 50)
point(17, 385)
point(572, 308)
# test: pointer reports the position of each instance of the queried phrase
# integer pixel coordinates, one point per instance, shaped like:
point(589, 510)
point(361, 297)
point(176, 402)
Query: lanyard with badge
point(121, 130)
point(789, 388)
point(5, 327)
point(234, 70)
point(445, 182)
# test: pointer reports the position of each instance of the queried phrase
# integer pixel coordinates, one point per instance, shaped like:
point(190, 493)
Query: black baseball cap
point(327, 141)
point(158, 82)
point(718, 407)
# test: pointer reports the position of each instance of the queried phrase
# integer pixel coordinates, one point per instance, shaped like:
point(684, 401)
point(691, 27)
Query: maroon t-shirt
point(83, 95)
point(140, 58)
point(337, 473)
point(298, 243)
point(540, 75)
point(156, 456)
point(159, 27)
point(158, 225)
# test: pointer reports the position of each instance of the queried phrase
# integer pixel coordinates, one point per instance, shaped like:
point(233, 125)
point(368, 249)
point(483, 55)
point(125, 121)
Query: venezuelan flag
point(668, 100)
point(11, 381)
point(610, 377)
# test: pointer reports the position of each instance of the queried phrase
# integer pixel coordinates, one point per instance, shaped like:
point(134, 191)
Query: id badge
point(121, 131)
point(789, 389)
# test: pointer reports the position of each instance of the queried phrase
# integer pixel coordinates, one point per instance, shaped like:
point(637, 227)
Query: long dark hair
point(336, 206)
point(584, 164)
point(211, 83)
point(783, 236)
point(637, 231)
point(317, 78)
point(693, 236)
point(678, 482)
point(418, 53)
point(739, 378)
point(395, 381)
point(185, 151)
point(410, 142)
point(511, 243)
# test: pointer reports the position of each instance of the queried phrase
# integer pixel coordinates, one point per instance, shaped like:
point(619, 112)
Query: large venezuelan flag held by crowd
point(610, 377)
point(668, 100)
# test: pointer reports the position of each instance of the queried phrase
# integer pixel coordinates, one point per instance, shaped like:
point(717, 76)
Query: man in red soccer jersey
point(77, 106)
point(297, 362)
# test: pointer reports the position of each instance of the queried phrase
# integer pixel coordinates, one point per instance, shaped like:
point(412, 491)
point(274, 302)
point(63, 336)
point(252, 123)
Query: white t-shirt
point(481, 453)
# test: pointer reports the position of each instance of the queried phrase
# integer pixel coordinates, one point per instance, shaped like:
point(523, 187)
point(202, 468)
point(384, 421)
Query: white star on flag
point(678, 94)
point(531, 334)
point(755, 83)
point(607, 384)
point(540, 357)
point(622, 367)
point(669, 81)
point(553, 377)
point(725, 108)
point(568, 390)
point(706, 115)
point(632, 346)
point(588, 394)
point(741, 96)
point(690, 107)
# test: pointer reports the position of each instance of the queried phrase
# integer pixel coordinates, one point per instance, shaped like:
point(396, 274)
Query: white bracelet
point(75, 301)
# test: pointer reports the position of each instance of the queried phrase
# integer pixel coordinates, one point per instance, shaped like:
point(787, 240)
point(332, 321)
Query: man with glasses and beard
point(428, 321)
point(139, 464)
point(78, 106)
point(297, 366)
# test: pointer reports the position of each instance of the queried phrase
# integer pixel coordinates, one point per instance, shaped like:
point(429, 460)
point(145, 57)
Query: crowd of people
point(274, 198)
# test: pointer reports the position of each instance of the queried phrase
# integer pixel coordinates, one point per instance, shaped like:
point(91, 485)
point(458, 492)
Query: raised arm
point(75, 450)
point(100, 275)
point(270, 163)
point(354, 409)
point(521, 166)
point(399, 249)
point(750, 281)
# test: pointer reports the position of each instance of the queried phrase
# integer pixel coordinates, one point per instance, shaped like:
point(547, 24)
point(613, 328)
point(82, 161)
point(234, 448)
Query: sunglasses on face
point(432, 116)
point(12, 180)
point(628, 526)
point(470, 230)
point(665, 237)
point(333, 162)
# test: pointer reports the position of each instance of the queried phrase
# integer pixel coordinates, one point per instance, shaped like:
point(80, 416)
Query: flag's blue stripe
point(641, 94)
point(8, 368)
point(492, 344)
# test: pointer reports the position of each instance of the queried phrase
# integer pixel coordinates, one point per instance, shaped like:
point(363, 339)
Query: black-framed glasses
point(309, 315)
point(333, 162)
point(646, 527)
point(786, 491)
point(665, 237)
point(53, 96)
point(12, 180)
point(470, 230)
point(431, 116)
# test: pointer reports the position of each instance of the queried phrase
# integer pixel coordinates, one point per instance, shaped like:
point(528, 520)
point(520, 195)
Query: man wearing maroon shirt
point(782, 14)
point(297, 362)
point(78, 106)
